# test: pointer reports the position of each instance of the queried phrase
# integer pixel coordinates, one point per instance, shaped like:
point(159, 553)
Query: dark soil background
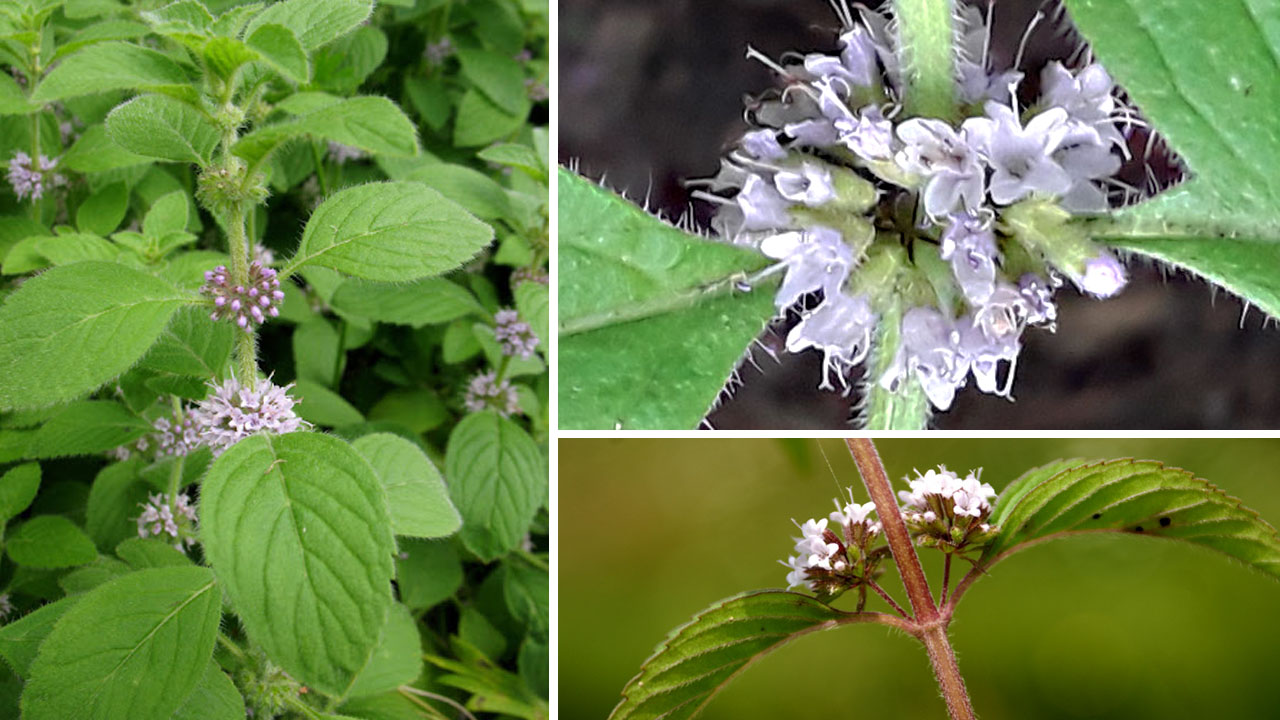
point(651, 92)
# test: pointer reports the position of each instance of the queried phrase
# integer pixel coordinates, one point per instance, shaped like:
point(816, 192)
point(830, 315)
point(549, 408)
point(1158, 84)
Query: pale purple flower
point(249, 305)
point(537, 90)
point(516, 336)
point(929, 349)
point(169, 517)
point(816, 259)
point(970, 246)
point(176, 435)
point(234, 411)
point(869, 136)
point(485, 392)
point(1103, 276)
point(810, 184)
point(1037, 296)
point(524, 275)
point(342, 154)
point(6, 605)
point(841, 328)
point(437, 52)
point(262, 255)
point(763, 208)
point(954, 172)
point(763, 145)
point(1021, 158)
point(32, 180)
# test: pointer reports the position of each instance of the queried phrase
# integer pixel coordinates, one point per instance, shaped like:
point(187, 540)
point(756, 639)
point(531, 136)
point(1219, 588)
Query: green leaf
point(498, 76)
point(533, 302)
point(214, 698)
point(21, 639)
point(18, 487)
point(12, 100)
point(160, 127)
point(702, 656)
point(648, 335)
point(115, 497)
point(296, 528)
point(344, 65)
point(192, 345)
point(518, 156)
point(396, 661)
point(74, 248)
point(102, 212)
point(417, 410)
point(497, 478)
point(83, 579)
point(48, 542)
point(143, 553)
point(94, 152)
point(427, 572)
point(88, 427)
point(390, 231)
point(1137, 497)
point(322, 406)
point(1217, 110)
point(480, 121)
point(314, 23)
point(134, 647)
point(527, 590)
point(75, 327)
point(109, 66)
point(282, 50)
point(428, 301)
point(372, 124)
point(317, 352)
point(416, 494)
point(480, 194)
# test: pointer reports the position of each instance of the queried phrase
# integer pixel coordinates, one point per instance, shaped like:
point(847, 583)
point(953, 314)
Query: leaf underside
point(1139, 497)
point(649, 331)
point(701, 657)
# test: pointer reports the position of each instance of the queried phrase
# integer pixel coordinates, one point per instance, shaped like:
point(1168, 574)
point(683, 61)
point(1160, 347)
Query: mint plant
point(912, 203)
point(973, 527)
point(263, 264)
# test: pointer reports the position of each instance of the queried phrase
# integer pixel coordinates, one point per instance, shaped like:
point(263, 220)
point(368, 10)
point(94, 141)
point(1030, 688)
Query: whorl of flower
point(537, 90)
point(833, 179)
point(437, 52)
point(169, 517)
point(831, 558)
point(33, 179)
point(516, 336)
point(342, 154)
point(247, 305)
point(484, 392)
point(946, 511)
point(176, 435)
point(234, 411)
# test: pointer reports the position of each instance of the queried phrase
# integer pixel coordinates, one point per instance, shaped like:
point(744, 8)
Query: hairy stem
point(927, 56)
point(931, 625)
point(238, 245)
point(907, 407)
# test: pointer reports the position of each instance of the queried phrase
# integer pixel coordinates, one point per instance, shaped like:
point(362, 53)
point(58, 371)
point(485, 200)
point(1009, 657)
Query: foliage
point(260, 262)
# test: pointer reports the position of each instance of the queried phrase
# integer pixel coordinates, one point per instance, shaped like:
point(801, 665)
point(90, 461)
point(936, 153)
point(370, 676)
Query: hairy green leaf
point(533, 300)
point(215, 697)
point(322, 406)
point(160, 127)
point(75, 327)
point(73, 248)
point(48, 542)
point(416, 494)
point(497, 478)
point(296, 528)
point(427, 572)
point(391, 231)
point(372, 124)
point(192, 345)
point(282, 50)
point(1138, 497)
point(21, 639)
point(134, 647)
point(314, 23)
point(101, 212)
point(1217, 110)
point(701, 657)
point(87, 427)
point(644, 342)
point(396, 661)
point(498, 76)
point(109, 66)
point(18, 487)
point(115, 497)
point(423, 302)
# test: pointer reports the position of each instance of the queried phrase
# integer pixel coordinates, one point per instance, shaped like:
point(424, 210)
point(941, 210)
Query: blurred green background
point(653, 531)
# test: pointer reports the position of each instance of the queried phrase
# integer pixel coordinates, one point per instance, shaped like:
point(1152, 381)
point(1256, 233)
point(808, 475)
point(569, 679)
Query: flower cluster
point(6, 606)
point(342, 154)
point(234, 411)
point(31, 179)
point(169, 515)
point(958, 231)
point(249, 305)
point(486, 392)
point(524, 275)
point(176, 435)
point(439, 51)
point(516, 336)
point(946, 511)
point(835, 558)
